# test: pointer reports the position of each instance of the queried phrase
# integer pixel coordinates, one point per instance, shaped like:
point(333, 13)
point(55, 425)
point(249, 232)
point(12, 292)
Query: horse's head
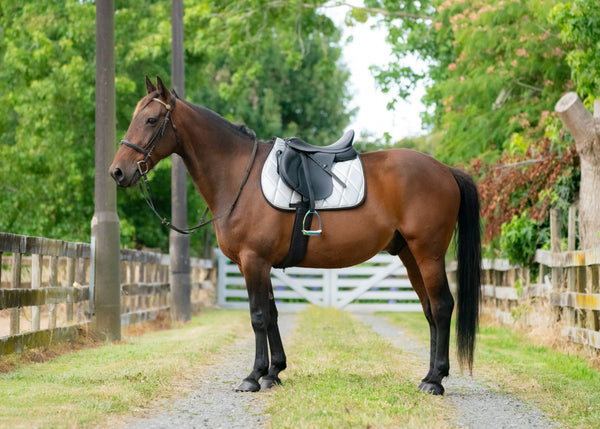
point(149, 138)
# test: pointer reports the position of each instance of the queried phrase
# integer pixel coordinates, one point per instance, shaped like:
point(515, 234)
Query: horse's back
point(412, 177)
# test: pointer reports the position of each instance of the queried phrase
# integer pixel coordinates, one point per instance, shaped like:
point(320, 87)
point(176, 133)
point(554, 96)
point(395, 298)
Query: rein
point(147, 152)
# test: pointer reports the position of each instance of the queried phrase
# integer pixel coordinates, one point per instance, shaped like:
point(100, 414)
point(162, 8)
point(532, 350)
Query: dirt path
point(212, 403)
point(477, 405)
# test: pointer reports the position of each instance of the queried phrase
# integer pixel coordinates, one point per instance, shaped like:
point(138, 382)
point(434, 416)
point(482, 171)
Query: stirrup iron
point(313, 231)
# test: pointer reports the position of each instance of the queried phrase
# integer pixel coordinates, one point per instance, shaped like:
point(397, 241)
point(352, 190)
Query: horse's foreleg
point(258, 283)
point(278, 359)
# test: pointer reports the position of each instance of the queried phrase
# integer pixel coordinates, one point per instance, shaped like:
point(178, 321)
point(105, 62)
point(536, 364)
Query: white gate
point(379, 284)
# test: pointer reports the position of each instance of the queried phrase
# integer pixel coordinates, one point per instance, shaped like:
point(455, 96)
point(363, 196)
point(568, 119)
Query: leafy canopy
point(493, 67)
point(271, 65)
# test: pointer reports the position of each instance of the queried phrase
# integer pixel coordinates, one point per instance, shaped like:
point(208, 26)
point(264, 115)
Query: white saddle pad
point(281, 196)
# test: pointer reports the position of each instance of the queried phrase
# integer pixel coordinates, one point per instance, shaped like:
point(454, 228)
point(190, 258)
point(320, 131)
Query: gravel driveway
point(476, 404)
point(212, 402)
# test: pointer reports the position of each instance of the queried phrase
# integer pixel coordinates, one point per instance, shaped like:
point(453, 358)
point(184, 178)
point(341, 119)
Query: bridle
point(149, 148)
point(144, 169)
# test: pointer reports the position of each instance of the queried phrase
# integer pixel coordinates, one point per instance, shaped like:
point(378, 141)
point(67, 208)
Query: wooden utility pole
point(585, 130)
point(105, 280)
point(179, 244)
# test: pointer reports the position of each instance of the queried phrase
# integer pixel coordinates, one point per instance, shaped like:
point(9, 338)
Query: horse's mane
point(240, 128)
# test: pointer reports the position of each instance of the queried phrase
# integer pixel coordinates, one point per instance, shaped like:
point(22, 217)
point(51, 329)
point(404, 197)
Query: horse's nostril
point(117, 174)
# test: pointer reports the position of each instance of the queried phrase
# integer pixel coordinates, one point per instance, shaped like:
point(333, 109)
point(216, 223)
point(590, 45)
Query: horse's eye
point(151, 121)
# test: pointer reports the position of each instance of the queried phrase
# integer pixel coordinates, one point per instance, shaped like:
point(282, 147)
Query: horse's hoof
point(431, 388)
point(269, 382)
point(248, 385)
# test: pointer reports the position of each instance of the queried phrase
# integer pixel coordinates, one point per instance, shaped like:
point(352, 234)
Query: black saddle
point(343, 147)
point(307, 168)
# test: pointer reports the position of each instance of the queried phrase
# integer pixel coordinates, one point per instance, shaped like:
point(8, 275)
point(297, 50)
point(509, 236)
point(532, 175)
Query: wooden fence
point(564, 284)
point(45, 291)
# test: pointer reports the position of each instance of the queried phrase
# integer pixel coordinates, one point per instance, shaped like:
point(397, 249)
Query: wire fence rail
point(45, 289)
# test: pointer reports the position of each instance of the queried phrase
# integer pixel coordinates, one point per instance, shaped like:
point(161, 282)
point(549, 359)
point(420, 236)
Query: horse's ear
point(149, 85)
point(160, 86)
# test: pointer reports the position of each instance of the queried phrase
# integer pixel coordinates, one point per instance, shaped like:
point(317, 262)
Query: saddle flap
point(292, 171)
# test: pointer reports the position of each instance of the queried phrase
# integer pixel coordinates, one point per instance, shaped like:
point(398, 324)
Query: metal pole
point(179, 244)
point(105, 223)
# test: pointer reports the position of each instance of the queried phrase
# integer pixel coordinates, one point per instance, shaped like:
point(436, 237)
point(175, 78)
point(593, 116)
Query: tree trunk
point(585, 130)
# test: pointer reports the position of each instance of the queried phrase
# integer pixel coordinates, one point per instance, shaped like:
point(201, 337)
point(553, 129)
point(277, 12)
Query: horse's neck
point(216, 155)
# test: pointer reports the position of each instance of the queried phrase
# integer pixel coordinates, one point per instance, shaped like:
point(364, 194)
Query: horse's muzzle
point(122, 177)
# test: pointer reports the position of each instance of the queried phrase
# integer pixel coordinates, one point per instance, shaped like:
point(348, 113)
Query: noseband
point(149, 148)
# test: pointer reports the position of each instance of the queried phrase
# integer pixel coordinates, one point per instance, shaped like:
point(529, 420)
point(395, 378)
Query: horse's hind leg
point(429, 281)
point(416, 281)
point(442, 304)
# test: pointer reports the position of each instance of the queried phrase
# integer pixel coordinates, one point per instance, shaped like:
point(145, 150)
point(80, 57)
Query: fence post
point(555, 247)
point(15, 313)
point(70, 282)
point(36, 283)
point(52, 282)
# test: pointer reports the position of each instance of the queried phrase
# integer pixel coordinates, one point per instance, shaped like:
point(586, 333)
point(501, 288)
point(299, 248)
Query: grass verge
point(343, 375)
point(89, 386)
point(565, 386)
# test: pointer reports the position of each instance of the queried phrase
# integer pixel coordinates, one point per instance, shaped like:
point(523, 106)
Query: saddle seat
point(307, 169)
point(341, 147)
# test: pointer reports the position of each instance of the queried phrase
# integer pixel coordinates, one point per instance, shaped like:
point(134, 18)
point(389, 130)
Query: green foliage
point(46, 118)
point(494, 67)
point(520, 238)
point(579, 22)
point(533, 176)
point(271, 65)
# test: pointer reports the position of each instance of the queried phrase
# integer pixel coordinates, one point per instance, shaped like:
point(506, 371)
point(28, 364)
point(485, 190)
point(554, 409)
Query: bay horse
point(412, 206)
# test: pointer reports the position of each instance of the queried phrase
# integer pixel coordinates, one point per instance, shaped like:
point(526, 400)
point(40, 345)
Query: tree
point(47, 117)
point(579, 23)
point(585, 129)
point(494, 67)
point(271, 65)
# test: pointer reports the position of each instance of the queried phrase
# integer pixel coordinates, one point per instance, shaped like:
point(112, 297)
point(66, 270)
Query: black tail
point(468, 272)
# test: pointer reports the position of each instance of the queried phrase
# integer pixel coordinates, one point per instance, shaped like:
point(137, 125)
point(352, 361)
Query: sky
point(367, 48)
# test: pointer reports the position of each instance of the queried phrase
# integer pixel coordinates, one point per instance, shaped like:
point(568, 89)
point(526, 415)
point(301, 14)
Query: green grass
point(566, 387)
point(88, 387)
point(342, 375)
